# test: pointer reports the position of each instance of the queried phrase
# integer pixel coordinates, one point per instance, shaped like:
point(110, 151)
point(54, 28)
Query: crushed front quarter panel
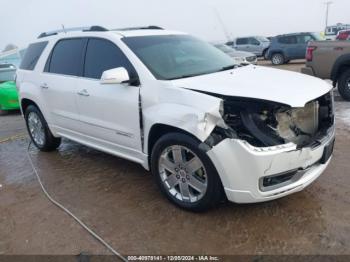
point(191, 111)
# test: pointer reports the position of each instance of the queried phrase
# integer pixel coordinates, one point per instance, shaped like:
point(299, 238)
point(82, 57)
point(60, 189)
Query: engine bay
point(264, 123)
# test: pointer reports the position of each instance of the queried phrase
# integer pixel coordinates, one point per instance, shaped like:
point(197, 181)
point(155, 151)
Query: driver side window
point(102, 55)
point(242, 41)
point(253, 41)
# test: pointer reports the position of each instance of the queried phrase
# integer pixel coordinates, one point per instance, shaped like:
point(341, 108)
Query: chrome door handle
point(44, 86)
point(83, 92)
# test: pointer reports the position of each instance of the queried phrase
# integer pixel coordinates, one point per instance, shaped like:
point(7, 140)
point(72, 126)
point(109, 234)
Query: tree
point(9, 47)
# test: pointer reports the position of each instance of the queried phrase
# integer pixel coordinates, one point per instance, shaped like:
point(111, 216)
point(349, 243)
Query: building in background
point(332, 31)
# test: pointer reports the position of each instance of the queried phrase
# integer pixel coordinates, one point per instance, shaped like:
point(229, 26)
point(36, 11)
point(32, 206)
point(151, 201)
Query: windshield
point(178, 56)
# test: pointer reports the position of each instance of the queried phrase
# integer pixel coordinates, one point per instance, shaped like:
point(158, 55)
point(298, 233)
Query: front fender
point(191, 120)
point(191, 111)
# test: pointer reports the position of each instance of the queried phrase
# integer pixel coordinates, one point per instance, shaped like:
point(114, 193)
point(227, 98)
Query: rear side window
point(289, 40)
point(102, 55)
point(67, 57)
point(242, 41)
point(32, 55)
point(302, 39)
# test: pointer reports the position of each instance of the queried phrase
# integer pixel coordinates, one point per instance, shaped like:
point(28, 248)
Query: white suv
point(207, 129)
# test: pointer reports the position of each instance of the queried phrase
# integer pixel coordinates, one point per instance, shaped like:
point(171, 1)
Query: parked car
point(207, 129)
point(8, 97)
point(343, 35)
point(9, 61)
point(330, 60)
point(257, 45)
point(7, 72)
point(240, 57)
point(284, 48)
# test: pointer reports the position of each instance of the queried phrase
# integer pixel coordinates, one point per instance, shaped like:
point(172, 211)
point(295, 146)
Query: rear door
point(60, 81)
point(289, 45)
point(303, 41)
point(109, 112)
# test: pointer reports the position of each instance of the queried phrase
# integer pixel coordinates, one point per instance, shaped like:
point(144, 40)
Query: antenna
point(64, 30)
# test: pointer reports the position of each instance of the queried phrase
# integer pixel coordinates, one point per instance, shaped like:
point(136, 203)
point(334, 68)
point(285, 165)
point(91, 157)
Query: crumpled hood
point(294, 89)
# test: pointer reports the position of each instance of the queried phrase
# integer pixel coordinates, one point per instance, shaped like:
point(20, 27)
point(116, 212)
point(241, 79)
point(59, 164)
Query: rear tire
point(344, 85)
point(278, 59)
point(196, 187)
point(264, 54)
point(39, 131)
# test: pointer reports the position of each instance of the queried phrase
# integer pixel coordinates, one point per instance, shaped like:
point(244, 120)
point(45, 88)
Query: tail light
point(310, 53)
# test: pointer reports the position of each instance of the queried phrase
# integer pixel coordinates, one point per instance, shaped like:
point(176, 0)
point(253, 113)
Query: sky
point(21, 21)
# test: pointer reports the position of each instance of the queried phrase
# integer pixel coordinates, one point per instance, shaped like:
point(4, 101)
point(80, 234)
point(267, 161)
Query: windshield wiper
point(186, 76)
point(225, 68)
point(210, 72)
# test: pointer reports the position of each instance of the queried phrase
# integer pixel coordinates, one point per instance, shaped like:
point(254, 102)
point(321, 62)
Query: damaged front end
point(266, 124)
point(269, 150)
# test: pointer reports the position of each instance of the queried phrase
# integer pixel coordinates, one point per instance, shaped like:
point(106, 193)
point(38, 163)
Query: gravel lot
point(119, 200)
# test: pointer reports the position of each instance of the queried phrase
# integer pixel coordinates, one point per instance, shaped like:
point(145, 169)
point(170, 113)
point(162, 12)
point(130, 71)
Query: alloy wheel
point(36, 128)
point(183, 174)
point(277, 59)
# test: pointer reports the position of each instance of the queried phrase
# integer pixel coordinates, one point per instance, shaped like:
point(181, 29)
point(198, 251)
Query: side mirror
point(115, 76)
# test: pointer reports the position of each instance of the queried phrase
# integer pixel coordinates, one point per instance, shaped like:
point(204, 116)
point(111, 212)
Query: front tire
point(184, 173)
point(277, 59)
point(39, 131)
point(344, 85)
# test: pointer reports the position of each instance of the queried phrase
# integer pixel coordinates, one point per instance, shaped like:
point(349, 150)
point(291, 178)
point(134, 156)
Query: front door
point(303, 41)
point(109, 113)
point(254, 46)
point(242, 44)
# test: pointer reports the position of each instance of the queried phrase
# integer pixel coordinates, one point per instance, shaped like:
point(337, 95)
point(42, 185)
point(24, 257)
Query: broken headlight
point(263, 123)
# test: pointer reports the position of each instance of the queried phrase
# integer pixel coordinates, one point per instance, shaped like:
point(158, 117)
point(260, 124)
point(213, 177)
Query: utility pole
point(216, 12)
point(327, 11)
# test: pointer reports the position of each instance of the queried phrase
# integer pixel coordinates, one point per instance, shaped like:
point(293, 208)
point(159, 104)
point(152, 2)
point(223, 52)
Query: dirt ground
point(119, 200)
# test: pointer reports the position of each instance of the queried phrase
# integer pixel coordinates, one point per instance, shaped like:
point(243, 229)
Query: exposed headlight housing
point(265, 124)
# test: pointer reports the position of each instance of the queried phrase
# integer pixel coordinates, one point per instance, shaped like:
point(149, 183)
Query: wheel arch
point(340, 65)
point(265, 51)
point(25, 102)
point(158, 130)
point(278, 52)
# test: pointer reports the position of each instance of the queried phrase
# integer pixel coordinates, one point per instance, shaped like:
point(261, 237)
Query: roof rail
point(94, 28)
point(150, 27)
